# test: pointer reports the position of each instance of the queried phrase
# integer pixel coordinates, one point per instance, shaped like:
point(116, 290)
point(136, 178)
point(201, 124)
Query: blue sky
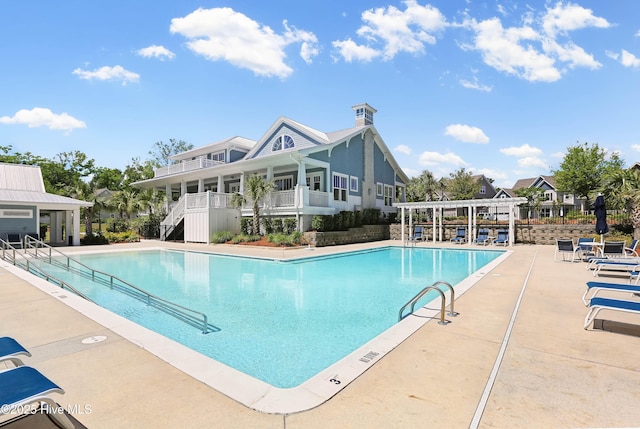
point(501, 88)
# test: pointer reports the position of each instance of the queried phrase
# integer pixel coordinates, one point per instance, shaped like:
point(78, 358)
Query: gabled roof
point(230, 143)
point(510, 193)
point(535, 182)
point(21, 177)
point(23, 184)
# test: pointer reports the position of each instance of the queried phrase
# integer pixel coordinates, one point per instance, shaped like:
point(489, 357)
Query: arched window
point(282, 142)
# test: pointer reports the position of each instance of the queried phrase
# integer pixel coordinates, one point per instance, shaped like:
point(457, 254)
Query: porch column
point(183, 188)
point(242, 183)
point(302, 174)
point(220, 186)
point(76, 227)
point(201, 184)
point(470, 212)
point(512, 229)
point(269, 173)
point(167, 190)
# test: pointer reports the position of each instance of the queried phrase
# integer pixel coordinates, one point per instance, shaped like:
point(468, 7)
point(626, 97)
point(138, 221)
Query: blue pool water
point(279, 321)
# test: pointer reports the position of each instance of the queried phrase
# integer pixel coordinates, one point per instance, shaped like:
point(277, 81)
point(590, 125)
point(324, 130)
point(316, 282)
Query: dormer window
point(282, 143)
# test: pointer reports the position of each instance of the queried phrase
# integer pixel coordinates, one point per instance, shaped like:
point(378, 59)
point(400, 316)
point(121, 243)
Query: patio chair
point(461, 235)
point(598, 304)
point(418, 234)
point(502, 238)
point(483, 237)
point(10, 349)
point(628, 265)
point(24, 386)
point(14, 240)
point(631, 250)
point(565, 246)
point(613, 249)
point(586, 245)
point(594, 287)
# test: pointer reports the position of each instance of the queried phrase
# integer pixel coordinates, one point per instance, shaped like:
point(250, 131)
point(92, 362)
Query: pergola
point(472, 205)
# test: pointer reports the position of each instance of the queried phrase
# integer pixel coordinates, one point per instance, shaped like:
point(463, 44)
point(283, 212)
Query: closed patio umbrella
point(600, 210)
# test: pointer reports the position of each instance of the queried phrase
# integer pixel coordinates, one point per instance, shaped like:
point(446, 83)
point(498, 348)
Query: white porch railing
point(318, 199)
point(194, 164)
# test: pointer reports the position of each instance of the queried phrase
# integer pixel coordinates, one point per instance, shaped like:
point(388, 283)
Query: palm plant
point(622, 189)
point(255, 189)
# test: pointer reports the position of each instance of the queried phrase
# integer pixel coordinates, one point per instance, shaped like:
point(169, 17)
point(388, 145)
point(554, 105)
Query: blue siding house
point(314, 172)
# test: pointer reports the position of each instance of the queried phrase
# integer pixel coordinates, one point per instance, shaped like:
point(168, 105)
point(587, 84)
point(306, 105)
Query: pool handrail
point(412, 302)
point(29, 266)
point(178, 311)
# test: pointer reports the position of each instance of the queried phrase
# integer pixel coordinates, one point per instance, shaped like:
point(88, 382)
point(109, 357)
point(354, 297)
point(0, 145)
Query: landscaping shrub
point(221, 237)
point(278, 226)
point(246, 225)
point(370, 216)
point(290, 225)
point(95, 238)
point(267, 224)
point(122, 237)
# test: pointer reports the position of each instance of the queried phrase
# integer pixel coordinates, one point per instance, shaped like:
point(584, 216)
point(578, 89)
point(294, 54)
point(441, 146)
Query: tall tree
point(583, 168)
point(107, 178)
point(462, 186)
point(534, 197)
point(255, 189)
point(423, 187)
point(622, 190)
point(162, 151)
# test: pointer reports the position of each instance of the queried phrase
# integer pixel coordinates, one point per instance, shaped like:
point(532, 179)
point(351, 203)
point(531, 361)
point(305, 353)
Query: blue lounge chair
point(565, 246)
point(483, 237)
point(418, 234)
point(598, 304)
point(24, 386)
point(502, 238)
point(616, 264)
point(594, 287)
point(631, 250)
point(461, 235)
point(10, 349)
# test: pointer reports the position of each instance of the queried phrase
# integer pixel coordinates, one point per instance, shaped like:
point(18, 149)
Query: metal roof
point(22, 185)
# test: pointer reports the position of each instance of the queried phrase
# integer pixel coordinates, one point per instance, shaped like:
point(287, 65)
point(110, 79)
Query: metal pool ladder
point(187, 315)
point(412, 302)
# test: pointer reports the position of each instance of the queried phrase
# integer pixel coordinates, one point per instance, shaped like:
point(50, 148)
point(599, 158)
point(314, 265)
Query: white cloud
point(410, 172)
point(636, 147)
point(156, 51)
point(490, 173)
point(404, 149)
point(436, 159)
point(351, 51)
point(43, 117)
point(532, 162)
point(475, 85)
point(534, 51)
point(389, 31)
point(521, 151)
point(627, 59)
point(221, 34)
point(558, 155)
point(108, 73)
point(466, 134)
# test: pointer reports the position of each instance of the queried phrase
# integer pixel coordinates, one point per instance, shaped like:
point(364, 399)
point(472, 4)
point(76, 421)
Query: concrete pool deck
point(553, 373)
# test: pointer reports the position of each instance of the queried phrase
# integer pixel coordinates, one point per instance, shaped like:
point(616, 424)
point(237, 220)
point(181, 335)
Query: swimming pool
point(280, 321)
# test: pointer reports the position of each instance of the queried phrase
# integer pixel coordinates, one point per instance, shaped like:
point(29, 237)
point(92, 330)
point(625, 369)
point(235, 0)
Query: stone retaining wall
point(530, 234)
point(363, 234)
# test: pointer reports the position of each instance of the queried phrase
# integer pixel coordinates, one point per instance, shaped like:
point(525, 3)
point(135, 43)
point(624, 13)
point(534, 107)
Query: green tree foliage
point(255, 188)
point(423, 187)
point(107, 178)
point(461, 185)
point(534, 196)
point(583, 169)
point(137, 170)
point(622, 190)
point(162, 151)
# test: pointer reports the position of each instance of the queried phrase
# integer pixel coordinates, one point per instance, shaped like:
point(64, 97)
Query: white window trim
point(345, 189)
point(353, 180)
point(281, 178)
point(379, 189)
point(388, 192)
point(312, 176)
point(16, 213)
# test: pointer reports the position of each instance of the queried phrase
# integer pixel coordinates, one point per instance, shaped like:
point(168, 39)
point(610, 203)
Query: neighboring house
point(315, 173)
point(24, 202)
point(554, 203)
point(104, 196)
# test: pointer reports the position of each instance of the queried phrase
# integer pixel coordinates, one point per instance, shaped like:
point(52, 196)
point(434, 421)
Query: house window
point(339, 187)
point(282, 143)
point(548, 196)
point(314, 182)
point(353, 184)
point(483, 190)
point(283, 183)
point(379, 189)
point(219, 156)
point(388, 195)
